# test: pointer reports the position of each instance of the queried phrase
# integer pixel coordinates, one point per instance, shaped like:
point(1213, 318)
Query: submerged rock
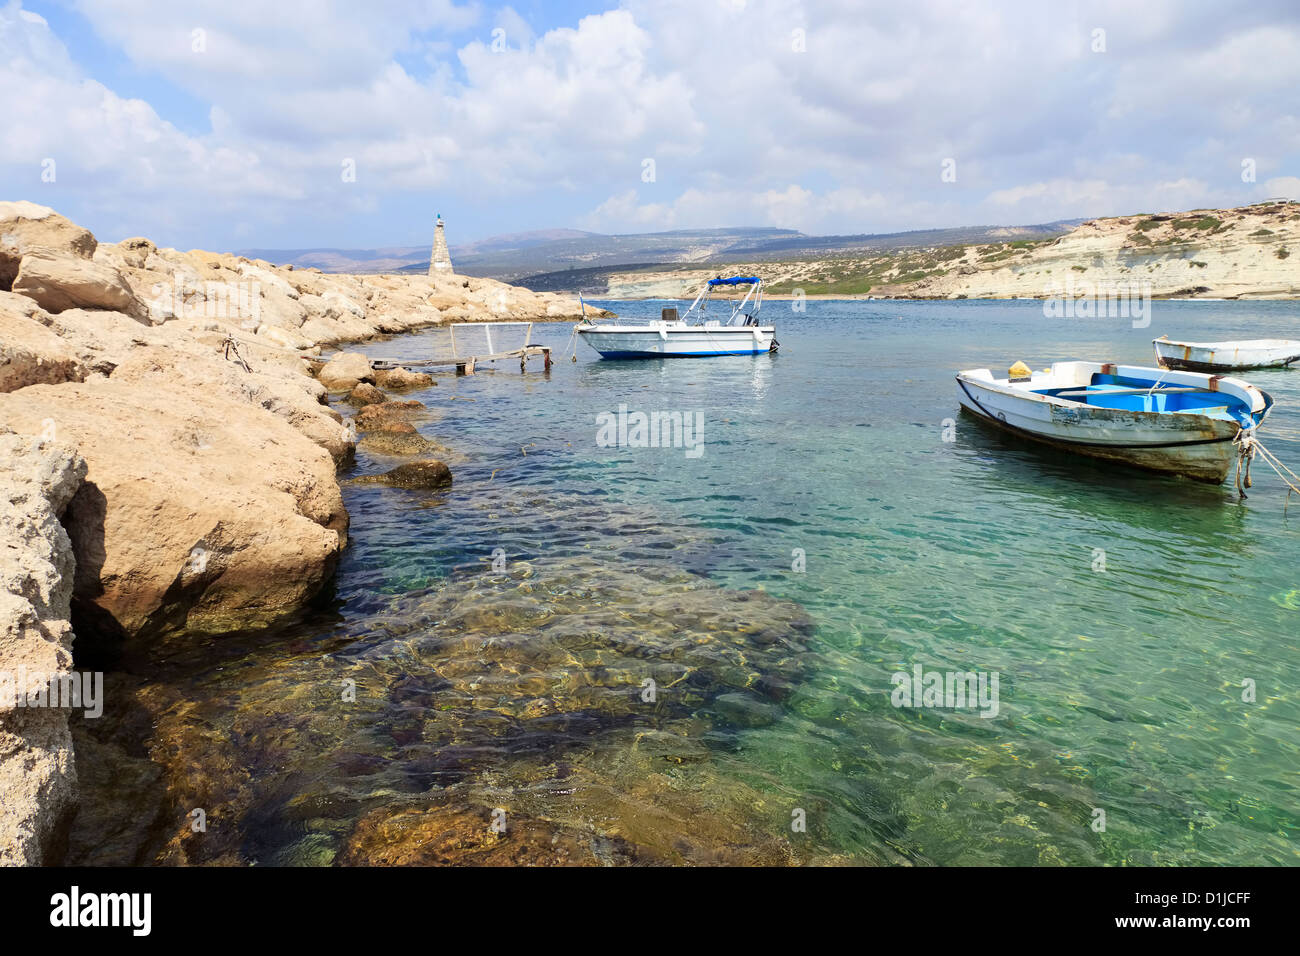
point(399, 438)
point(458, 836)
point(429, 473)
point(576, 693)
point(373, 416)
point(746, 710)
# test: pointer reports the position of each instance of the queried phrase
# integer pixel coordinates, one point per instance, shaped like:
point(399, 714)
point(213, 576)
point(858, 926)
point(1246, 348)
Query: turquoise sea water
point(1122, 612)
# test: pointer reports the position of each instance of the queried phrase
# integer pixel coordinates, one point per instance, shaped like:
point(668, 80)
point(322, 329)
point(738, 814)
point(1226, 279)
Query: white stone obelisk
point(440, 260)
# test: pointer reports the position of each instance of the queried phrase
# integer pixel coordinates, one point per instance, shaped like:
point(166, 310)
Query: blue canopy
point(735, 280)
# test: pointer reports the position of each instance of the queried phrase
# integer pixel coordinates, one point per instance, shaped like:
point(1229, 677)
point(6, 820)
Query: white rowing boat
point(1183, 423)
point(1223, 356)
point(692, 335)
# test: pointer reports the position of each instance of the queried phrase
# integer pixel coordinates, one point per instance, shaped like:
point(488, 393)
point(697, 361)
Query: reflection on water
point(1123, 612)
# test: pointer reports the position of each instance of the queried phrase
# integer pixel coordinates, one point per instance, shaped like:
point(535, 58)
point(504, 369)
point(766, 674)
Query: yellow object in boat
point(1019, 372)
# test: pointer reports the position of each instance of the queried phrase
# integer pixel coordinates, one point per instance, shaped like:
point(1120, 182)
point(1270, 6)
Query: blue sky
point(235, 124)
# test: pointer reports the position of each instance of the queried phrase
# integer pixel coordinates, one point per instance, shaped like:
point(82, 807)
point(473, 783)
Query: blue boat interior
point(1113, 391)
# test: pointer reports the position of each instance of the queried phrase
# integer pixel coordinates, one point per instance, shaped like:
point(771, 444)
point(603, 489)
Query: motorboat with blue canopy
point(693, 334)
point(1184, 423)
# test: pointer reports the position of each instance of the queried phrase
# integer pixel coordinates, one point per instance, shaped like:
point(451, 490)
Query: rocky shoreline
point(169, 459)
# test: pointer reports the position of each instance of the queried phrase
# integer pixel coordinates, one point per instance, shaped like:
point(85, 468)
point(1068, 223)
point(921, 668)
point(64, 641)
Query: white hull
point(677, 340)
point(1183, 442)
point(1222, 356)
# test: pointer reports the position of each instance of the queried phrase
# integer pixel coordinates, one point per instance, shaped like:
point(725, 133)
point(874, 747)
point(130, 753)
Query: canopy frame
point(738, 313)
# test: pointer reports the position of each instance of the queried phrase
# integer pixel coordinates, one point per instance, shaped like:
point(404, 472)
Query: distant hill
point(511, 257)
point(515, 241)
point(393, 259)
point(773, 246)
point(1246, 252)
point(570, 258)
point(513, 262)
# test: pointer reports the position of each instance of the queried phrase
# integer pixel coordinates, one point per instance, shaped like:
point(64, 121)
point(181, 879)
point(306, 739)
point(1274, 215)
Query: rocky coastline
point(169, 459)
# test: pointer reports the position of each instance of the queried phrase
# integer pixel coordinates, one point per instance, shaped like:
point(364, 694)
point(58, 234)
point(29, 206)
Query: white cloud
point(117, 150)
point(846, 136)
point(792, 207)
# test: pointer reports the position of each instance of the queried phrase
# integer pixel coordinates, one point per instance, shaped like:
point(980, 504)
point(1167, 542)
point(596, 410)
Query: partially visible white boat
point(693, 334)
point(1183, 423)
point(1223, 356)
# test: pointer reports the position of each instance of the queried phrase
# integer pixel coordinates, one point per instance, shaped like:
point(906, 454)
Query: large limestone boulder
point(278, 310)
point(286, 339)
point(346, 371)
point(38, 479)
point(103, 340)
point(365, 394)
point(443, 301)
point(31, 354)
point(292, 396)
point(26, 227)
point(57, 283)
point(198, 511)
point(135, 251)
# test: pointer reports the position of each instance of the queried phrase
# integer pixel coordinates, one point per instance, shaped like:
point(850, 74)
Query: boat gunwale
point(1235, 387)
point(1235, 343)
point(679, 326)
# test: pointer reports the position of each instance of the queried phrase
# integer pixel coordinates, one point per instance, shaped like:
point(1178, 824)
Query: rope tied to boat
point(1248, 446)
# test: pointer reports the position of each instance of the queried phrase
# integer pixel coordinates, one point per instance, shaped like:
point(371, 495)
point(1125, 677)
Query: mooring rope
point(1248, 446)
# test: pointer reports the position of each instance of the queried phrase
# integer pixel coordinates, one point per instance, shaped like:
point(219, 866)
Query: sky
point(286, 124)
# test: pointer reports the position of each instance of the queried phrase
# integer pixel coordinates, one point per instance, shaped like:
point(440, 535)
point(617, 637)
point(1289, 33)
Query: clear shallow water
point(1119, 690)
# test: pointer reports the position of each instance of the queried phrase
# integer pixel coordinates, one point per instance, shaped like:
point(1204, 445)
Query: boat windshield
point(743, 312)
